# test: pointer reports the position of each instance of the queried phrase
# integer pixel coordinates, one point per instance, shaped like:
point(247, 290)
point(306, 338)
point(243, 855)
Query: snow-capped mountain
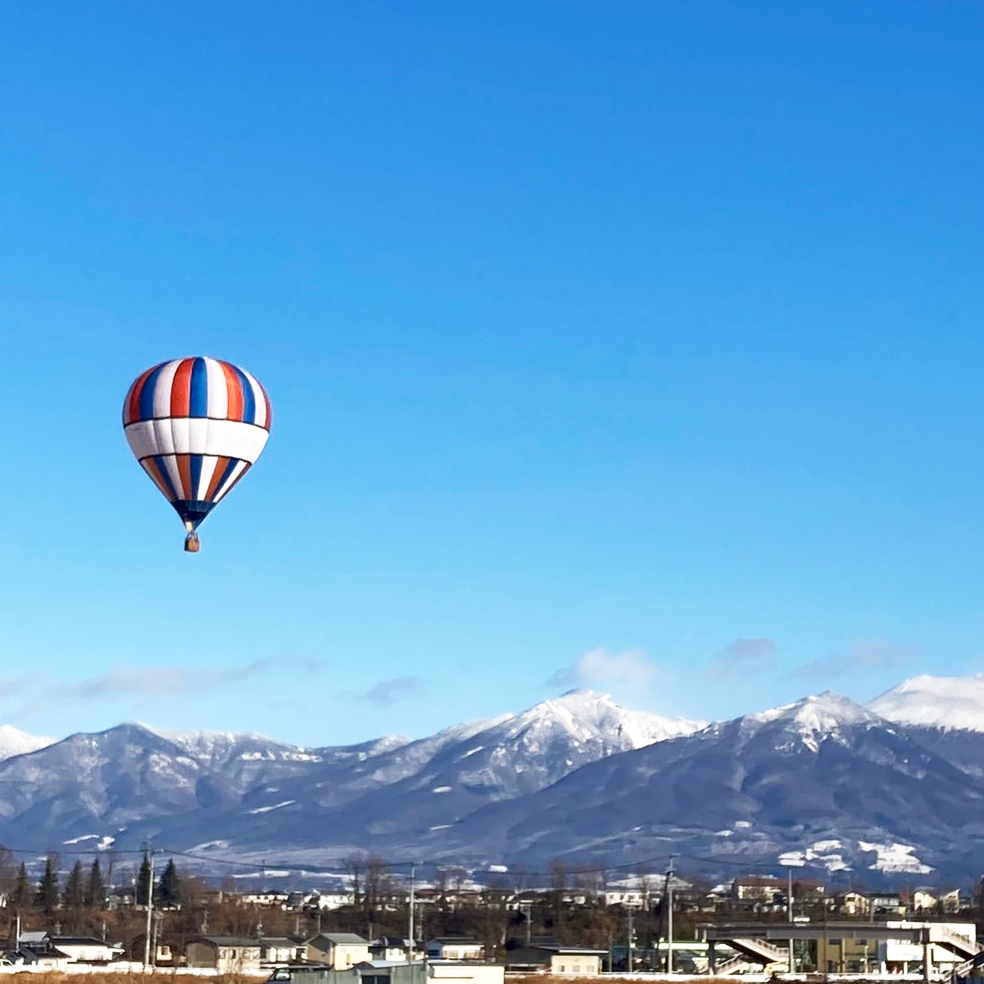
point(131, 781)
point(433, 783)
point(13, 742)
point(823, 781)
point(823, 777)
point(949, 703)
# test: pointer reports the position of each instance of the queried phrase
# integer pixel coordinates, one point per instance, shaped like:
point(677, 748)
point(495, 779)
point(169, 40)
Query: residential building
point(852, 904)
point(339, 951)
point(225, 954)
point(555, 958)
point(280, 949)
point(390, 948)
point(455, 948)
point(756, 888)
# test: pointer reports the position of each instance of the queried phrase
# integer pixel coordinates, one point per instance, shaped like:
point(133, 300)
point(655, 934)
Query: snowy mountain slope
point(949, 703)
point(823, 780)
point(191, 784)
point(245, 759)
point(821, 770)
point(428, 785)
point(13, 742)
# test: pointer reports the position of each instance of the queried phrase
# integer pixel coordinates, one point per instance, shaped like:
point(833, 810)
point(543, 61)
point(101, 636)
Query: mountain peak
point(812, 718)
point(948, 703)
point(13, 742)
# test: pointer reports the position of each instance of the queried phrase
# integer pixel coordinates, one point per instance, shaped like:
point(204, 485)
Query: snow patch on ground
point(267, 809)
point(895, 858)
point(441, 789)
point(825, 853)
point(220, 845)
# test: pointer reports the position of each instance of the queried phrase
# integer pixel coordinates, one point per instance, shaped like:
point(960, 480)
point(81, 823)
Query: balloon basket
point(191, 543)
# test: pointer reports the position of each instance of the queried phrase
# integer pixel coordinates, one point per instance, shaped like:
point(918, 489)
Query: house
point(268, 898)
point(756, 888)
point(632, 897)
point(224, 954)
point(338, 950)
point(455, 948)
point(329, 900)
point(950, 901)
point(39, 957)
point(554, 958)
point(86, 949)
point(42, 949)
point(885, 903)
point(279, 949)
point(389, 948)
point(852, 904)
point(923, 900)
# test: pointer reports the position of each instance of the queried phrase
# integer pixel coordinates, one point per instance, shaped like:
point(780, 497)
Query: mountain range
point(863, 793)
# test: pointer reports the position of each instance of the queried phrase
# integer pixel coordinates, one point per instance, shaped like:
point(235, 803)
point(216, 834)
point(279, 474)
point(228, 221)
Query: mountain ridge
point(834, 783)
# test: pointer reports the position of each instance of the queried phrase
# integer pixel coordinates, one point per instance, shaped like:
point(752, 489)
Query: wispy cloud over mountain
point(601, 668)
point(745, 657)
point(139, 682)
point(390, 691)
point(859, 657)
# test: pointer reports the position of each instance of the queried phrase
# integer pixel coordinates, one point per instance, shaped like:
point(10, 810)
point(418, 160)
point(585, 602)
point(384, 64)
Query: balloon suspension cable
point(191, 543)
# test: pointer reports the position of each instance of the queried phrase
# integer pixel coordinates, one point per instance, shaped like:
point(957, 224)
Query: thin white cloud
point(125, 680)
point(745, 657)
point(874, 654)
point(601, 668)
point(390, 691)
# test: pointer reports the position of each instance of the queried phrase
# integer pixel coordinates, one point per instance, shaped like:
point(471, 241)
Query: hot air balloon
point(196, 426)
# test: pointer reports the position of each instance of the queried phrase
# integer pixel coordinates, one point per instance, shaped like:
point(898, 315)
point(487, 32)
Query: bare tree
point(355, 868)
point(8, 871)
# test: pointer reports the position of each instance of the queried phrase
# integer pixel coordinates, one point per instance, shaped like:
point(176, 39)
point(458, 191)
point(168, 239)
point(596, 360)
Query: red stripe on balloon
point(235, 390)
point(132, 405)
point(181, 389)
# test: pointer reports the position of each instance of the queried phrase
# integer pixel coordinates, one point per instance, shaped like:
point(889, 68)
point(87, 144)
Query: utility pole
point(631, 914)
point(527, 911)
point(669, 917)
point(413, 874)
point(789, 917)
point(150, 909)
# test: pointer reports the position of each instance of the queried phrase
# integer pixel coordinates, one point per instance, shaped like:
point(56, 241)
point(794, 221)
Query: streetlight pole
point(150, 909)
point(413, 873)
point(669, 918)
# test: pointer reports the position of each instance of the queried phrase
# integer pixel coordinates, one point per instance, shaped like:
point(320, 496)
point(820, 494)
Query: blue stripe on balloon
point(249, 400)
point(165, 474)
point(147, 394)
point(198, 402)
point(195, 460)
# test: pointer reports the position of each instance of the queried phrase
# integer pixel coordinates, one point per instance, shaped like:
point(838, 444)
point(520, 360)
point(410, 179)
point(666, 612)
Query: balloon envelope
point(196, 426)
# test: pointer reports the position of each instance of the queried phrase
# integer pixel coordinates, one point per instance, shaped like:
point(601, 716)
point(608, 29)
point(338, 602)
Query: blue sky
point(630, 346)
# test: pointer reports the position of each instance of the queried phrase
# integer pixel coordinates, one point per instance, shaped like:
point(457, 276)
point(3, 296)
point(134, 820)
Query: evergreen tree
point(169, 889)
point(74, 895)
point(143, 882)
point(46, 897)
point(22, 894)
point(95, 888)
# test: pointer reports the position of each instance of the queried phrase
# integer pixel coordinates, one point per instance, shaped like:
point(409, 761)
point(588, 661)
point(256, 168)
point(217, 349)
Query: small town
point(375, 927)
